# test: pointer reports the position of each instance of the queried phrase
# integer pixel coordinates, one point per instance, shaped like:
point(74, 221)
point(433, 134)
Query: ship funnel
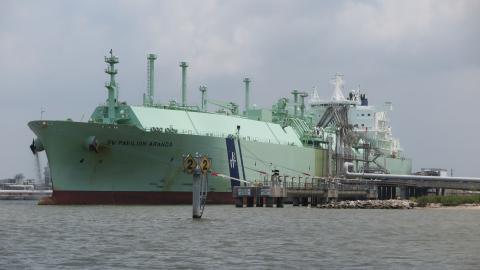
point(247, 93)
point(184, 66)
point(36, 146)
point(149, 97)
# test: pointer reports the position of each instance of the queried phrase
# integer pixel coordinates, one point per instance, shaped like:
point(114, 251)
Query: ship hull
point(134, 166)
point(135, 197)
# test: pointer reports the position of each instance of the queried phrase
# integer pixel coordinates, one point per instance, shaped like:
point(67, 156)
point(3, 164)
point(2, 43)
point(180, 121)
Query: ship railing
point(309, 183)
point(111, 58)
point(325, 184)
point(187, 131)
point(209, 134)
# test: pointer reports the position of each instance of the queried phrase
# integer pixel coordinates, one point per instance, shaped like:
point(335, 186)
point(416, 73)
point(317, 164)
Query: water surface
point(149, 237)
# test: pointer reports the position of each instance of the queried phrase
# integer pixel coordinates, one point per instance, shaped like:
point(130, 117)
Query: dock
point(317, 191)
point(24, 194)
point(277, 190)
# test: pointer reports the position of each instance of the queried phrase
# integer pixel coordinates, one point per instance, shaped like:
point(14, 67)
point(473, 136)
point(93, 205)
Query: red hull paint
point(135, 197)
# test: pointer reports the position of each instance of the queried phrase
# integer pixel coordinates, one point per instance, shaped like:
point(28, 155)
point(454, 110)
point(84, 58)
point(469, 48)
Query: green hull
point(132, 160)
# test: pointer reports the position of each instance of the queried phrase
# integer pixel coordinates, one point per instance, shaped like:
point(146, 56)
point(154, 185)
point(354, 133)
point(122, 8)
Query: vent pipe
point(148, 100)
point(302, 106)
point(184, 66)
point(247, 93)
point(203, 89)
point(295, 94)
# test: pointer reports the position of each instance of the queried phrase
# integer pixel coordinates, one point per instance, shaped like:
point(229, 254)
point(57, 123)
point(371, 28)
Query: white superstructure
point(370, 123)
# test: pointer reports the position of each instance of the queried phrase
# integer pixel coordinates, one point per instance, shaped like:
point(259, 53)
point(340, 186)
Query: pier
point(24, 194)
point(268, 194)
point(277, 190)
point(317, 191)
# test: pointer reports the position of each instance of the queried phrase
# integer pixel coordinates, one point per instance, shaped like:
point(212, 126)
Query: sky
point(423, 56)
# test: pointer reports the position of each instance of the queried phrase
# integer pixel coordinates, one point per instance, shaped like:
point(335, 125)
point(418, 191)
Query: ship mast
point(111, 86)
point(338, 83)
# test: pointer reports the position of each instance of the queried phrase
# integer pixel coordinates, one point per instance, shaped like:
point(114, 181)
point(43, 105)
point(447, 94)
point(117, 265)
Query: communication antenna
point(41, 113)
point(314, 97)
point(338, 84)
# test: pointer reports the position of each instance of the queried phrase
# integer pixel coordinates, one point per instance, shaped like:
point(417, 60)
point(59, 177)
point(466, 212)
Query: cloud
point(422, 55)
point(378, 23)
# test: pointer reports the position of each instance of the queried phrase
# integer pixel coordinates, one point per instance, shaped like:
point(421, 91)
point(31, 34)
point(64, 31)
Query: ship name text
point(139, 143)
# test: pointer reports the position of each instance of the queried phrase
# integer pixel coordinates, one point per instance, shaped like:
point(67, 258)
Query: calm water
point(146, 237)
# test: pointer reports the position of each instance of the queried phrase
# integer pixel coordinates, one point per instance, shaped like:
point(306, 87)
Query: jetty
point(340, 192)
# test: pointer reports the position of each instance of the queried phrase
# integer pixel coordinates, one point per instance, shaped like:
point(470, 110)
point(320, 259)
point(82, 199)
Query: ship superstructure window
point(363, 114)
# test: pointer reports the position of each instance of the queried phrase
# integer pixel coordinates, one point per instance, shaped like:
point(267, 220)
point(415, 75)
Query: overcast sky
point(421, 55)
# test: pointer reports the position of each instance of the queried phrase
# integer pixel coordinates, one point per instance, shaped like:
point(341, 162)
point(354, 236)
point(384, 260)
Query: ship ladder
point(203, 192)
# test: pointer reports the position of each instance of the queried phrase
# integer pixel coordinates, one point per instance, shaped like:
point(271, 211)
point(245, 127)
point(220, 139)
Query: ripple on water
point(146, 237)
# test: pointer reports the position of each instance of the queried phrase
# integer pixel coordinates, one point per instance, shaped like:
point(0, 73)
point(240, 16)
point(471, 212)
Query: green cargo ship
point(128, 154)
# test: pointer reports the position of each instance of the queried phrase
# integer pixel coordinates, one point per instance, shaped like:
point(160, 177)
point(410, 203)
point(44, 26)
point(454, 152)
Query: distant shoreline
point(441, 206)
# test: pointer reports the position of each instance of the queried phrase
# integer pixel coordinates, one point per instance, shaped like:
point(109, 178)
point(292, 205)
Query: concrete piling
point(196, 193)
point(191, 165)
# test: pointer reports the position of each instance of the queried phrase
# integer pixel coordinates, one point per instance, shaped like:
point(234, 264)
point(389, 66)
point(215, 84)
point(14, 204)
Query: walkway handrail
point(350, 174)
